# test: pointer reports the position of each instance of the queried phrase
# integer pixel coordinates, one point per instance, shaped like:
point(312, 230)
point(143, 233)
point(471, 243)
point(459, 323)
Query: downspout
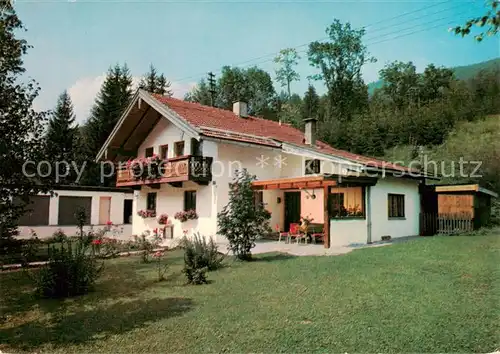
point(368, 214)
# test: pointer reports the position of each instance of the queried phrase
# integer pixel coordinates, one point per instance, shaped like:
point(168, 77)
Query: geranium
point(184, 216)
point(96, 242)
point(163, 219)
point(146, 213)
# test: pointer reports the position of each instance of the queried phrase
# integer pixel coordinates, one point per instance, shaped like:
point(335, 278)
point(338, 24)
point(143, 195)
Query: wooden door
point(292, 209)
point(104, 210)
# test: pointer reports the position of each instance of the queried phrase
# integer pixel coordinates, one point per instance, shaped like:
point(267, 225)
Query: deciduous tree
point(287, 59)
point(490, 19)
point(21, 128)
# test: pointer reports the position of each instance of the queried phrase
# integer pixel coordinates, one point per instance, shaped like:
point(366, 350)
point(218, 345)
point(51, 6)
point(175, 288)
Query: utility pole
point(211, 85)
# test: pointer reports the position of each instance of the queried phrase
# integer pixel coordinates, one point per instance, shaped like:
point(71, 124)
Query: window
point(258, 198)
point(347, 202)
point(189, 200)
point(312, 167)
point(163, 152)
point(151, 201)
point(396, 204)
point(179, 148)
point(149, 152)
point(336, 205)
point(195, 147)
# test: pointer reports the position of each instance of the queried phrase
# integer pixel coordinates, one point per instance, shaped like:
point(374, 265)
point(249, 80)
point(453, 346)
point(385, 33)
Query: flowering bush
point(145, 167)
point(184, 216)
point(146, 213)
point(147, 243)
point(162, 268)
point(306, 220)
point(163, 219)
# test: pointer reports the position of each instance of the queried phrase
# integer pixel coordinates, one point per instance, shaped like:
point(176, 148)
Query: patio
point(301, 249)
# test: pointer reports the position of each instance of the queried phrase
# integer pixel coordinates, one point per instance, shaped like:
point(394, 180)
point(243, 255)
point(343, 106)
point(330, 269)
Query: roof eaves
point(301, 150)
point(117, 126)
point(169, 113)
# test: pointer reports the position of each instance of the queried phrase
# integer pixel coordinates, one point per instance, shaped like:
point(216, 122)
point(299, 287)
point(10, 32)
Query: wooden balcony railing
point(174, 170)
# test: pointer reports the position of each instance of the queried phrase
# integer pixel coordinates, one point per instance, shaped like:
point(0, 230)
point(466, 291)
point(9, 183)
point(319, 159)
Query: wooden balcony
point(173, 171)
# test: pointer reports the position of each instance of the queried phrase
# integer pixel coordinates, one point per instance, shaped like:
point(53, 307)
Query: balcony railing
point(174, 170)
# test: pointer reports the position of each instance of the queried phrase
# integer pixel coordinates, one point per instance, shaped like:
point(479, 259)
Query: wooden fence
point(445, 224)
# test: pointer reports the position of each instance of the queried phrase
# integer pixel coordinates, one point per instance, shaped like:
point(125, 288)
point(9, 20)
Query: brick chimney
point(240, 109)
point(310, 133)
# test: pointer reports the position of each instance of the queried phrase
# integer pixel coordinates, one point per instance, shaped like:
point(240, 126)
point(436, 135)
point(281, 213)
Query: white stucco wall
point(164, 133)
point(344, 232)
point(170, 200)
point(116, 212)
point(381, 224)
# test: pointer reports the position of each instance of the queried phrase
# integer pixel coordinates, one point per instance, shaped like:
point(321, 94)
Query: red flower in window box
point(163, 219)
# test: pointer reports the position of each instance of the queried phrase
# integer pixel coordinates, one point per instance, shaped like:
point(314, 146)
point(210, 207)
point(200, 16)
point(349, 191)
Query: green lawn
point(438, 294)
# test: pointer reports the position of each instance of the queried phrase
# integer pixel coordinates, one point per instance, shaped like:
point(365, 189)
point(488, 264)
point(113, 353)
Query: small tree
point(242, 221)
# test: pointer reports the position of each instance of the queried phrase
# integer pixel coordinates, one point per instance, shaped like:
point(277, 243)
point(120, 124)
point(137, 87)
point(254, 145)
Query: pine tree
point(21, 128)
point(154, 83)
point(111, 101)
point(59, 140)
point(310, 103)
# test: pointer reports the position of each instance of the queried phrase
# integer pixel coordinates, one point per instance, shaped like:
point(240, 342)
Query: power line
point(255, 61)
point(321, 39)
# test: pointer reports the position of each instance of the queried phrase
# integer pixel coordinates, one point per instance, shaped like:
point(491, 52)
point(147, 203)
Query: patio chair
point(317, 235)
point(294, 232)
point(286, 235)
point(303, 233)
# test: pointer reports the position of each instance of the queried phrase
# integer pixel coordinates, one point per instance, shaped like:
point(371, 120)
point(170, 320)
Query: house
point(357, 199)
point(48, 213)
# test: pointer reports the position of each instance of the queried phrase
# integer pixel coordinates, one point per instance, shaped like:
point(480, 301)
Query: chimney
point(310, 133)
point(240, 109)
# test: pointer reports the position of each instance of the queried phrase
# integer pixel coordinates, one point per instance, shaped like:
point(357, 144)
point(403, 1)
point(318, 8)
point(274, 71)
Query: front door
point(292, 209)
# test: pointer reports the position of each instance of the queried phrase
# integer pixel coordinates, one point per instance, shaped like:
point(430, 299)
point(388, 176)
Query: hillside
point(461, 72)
point(477, 143)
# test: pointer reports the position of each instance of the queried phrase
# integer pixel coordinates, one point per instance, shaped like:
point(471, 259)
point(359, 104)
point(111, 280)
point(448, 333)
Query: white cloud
point(84, 91)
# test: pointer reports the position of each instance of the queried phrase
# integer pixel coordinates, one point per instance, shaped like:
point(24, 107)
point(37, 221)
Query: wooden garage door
point(68, 206)
point(37, 212)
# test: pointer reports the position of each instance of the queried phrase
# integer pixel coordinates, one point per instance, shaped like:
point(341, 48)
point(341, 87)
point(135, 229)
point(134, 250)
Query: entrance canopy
point(296, 182)
point(310, 182)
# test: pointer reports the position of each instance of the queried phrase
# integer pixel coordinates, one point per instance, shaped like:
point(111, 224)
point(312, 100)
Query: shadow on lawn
point(18, 291)
point(272, 257)
point(67, 327)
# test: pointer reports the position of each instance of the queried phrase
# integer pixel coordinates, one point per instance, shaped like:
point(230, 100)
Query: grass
point(439, 294)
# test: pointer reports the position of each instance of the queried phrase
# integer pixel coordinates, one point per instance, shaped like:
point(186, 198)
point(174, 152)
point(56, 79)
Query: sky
point(75, 42)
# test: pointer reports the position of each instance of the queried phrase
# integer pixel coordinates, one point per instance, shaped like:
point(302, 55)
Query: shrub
point(160, 266)
point(58, 236)
point(71, 270)
point(242, 221)
point(147, 243)
point(200, 256)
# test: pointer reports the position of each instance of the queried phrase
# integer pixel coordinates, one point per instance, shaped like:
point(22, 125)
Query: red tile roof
point(224, 124)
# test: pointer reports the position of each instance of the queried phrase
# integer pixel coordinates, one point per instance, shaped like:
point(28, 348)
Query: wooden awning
point(295, 183)
point(309, 182)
